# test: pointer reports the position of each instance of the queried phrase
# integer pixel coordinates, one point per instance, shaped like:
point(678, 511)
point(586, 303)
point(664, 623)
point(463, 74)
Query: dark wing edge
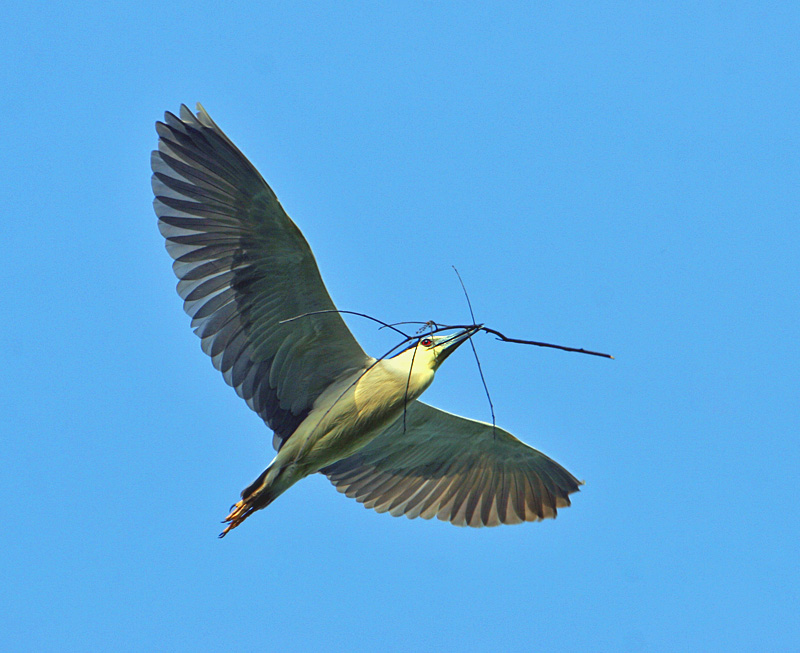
point(456, 469)
point(243, 266)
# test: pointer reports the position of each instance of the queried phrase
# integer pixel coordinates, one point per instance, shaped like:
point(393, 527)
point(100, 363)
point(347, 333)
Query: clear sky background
point(617, 176)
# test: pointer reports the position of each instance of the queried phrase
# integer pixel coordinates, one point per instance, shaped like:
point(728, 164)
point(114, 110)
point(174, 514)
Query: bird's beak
point(449, 346)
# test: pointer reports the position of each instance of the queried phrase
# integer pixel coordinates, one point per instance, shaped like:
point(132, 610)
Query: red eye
point(426, 342)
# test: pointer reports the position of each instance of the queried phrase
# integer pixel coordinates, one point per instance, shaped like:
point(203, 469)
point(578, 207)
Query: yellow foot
point(240, 511)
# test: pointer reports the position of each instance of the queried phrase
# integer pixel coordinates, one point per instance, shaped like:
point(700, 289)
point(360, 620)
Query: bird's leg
point(240, 511)
point(252, 500)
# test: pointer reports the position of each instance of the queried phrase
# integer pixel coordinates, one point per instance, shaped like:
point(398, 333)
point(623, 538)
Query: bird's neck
point(410, 374)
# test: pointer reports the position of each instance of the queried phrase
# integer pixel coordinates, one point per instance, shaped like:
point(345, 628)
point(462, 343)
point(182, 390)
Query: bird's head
point(432, 350)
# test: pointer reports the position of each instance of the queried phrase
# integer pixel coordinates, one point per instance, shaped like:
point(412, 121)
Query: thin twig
point(436, 328)
point(334, 310)
point(394, 324)
point(500, 336)
point(408, 384)
point(475, 352)
point(466, 294)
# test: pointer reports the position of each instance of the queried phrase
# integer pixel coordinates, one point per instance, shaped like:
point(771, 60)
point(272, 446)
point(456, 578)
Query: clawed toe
point(239, 512)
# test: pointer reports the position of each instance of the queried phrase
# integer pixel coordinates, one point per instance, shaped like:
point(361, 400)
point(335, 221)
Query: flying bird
point(245, 271)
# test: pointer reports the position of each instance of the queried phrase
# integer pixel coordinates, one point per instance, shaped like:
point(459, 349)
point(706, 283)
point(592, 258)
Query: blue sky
point(617, 176)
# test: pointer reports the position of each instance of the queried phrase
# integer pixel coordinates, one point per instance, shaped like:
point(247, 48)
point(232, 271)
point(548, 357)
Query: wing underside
point(456, 469)
point(243, 267)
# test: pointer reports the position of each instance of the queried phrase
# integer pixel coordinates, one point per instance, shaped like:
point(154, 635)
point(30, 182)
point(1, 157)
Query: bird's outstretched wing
point(243, 267)
point(454, 468)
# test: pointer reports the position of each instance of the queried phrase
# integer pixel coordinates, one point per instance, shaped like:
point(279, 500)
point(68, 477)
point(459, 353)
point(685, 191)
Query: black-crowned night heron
point(244, 269)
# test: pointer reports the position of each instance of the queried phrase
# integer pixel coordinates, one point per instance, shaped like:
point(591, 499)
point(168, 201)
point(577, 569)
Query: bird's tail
point(259, 494)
